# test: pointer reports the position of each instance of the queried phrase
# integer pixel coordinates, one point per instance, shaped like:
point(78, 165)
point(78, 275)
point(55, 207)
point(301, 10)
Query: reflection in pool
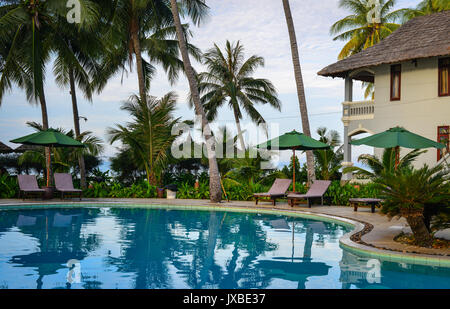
point(157, 248)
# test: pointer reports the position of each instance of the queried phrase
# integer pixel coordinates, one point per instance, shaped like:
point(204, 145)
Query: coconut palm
point(228, 80)
point(149, 135)
point(329, 160)
point(78, 52)
point(25, 29)
point(384, 165)
point(300, 86)
point(358, 31)
point(426, 7)
point(197, 9)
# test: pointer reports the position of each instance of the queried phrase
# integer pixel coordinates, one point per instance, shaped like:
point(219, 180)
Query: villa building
point(410, 72)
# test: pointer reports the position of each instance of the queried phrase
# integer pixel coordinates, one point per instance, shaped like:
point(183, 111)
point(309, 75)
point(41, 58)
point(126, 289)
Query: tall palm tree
point(358, 30)
point(427, 7)
point(360, 33)
point(78, 52)
point(149, 135)
point(25, 29)
point(200, 7)
point(229, 80)
point(300, 86)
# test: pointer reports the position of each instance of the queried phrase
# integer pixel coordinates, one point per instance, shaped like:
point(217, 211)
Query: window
point(396, 82)
point(444, 68)
point(443, 137)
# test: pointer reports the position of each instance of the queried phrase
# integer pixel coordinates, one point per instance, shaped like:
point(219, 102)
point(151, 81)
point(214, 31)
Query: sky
point(260, 26)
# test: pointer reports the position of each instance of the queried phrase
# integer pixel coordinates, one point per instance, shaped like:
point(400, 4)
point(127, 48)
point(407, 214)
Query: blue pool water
point(101, 247)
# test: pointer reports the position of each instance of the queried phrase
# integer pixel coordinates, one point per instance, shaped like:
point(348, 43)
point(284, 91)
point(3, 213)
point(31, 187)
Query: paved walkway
point(381, 236)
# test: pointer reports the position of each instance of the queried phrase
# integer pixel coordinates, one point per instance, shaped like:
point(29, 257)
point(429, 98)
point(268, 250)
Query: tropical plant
point(228, 80)
point(197, 9)
point(149, 136)
point(329, 160)
point(300, 86)
point(64, 158)
point(360, 32)
point(407, 191)
point(426, 7)
point(386, 164)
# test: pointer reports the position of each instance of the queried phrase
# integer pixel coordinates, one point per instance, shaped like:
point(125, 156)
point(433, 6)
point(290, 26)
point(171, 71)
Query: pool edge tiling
point(345, 241)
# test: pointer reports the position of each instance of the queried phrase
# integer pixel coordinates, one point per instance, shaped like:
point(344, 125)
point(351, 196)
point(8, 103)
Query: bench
point(372, 202)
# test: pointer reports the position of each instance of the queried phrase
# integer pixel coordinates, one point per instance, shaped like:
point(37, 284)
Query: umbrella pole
point(293, 164)
point(48, 166)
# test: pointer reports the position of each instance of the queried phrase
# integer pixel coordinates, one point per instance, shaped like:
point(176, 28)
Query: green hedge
point(336, 194)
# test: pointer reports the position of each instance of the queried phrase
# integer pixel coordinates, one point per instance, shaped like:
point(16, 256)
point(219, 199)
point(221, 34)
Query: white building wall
point(420, 109)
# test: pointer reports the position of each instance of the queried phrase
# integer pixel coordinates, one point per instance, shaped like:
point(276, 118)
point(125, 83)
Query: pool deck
point(376, 229)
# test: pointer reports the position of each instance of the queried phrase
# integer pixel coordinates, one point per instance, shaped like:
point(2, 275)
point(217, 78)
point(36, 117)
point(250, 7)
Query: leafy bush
point(8, 186)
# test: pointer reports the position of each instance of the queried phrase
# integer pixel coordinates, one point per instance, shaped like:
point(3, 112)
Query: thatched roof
point(4, 148)
point(421, 37)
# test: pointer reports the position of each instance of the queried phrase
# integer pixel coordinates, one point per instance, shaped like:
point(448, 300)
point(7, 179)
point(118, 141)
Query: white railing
point(358, 110)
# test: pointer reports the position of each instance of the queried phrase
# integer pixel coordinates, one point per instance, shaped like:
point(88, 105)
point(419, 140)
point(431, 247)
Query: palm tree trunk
point(138, 54)
point(214, 176)
point(238, 126)
point(300, 87)
point(419, 229)
point(43, 104)
point(76, 122)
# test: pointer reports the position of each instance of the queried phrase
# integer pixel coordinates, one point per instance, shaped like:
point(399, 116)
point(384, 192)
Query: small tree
point(408, 190)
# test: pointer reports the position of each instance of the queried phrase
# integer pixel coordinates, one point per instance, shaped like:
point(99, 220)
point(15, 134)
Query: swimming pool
point(122, 247)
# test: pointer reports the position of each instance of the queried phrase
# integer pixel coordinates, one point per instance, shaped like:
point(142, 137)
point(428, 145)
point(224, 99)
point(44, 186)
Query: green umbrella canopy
point(48, 138)
point(397, 137)
point(293, 140)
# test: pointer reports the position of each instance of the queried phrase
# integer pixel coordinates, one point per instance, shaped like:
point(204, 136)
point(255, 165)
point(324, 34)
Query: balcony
point(358, 110)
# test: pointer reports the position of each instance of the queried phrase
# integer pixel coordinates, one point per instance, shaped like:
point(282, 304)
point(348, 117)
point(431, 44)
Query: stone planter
point(49, 191)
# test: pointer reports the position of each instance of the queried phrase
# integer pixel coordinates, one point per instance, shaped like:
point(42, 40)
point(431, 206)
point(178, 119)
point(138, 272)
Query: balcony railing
point(358, 110)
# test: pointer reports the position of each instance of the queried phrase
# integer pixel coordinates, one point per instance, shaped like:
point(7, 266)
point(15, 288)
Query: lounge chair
point(278, 190)
point(28, 185)
point(318, 189)
point(64, 184)
point(372, 202)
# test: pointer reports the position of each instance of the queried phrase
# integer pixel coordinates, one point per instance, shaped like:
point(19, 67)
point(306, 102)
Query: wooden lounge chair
point(64, 184)
point(278, 190)
point(372, 202)
point(318, 189)
point(28, 185)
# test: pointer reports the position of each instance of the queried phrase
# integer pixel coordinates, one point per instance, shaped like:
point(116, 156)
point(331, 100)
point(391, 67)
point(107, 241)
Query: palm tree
point(300, 87)
point(228, 80)
point(199, 7)
point(76, 63)
point(357, 31)
point(385, 165)
point(149, 135)
point(329, 160)
point(427, 7)
point(25, 29)
point(407, 192)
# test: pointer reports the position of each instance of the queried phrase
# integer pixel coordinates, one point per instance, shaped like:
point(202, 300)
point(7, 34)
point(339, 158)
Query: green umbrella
point(395, 138)
point(48, 138)
point(295, 141)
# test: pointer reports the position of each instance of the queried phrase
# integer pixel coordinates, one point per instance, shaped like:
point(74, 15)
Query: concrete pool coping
point(371, 237)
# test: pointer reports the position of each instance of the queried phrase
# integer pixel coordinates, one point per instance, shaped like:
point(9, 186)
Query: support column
point(346, 120)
